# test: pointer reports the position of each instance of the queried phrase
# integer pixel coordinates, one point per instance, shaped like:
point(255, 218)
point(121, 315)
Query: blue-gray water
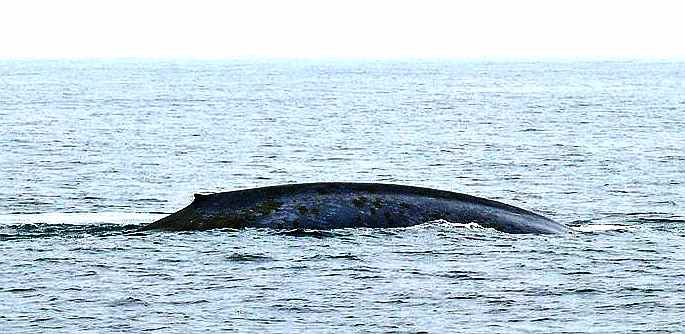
point(89, 150)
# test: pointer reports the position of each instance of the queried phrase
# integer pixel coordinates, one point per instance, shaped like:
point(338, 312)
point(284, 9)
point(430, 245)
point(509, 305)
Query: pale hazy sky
point(342, 29)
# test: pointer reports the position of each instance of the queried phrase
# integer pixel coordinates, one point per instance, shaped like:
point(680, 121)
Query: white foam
point(448, 223)
point(600, 228)
point(121, 218)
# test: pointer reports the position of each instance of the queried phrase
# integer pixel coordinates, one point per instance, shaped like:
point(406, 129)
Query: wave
point(630, 222)
point(80, 218)
point(75, 224)
point(591, 228)
point(42, 230)
point(72, 224)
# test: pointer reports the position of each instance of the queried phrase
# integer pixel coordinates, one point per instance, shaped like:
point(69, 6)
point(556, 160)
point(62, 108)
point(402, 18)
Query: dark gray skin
point(341, 205)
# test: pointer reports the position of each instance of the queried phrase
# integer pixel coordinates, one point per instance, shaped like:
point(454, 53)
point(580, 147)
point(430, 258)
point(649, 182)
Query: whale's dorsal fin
point(200, 197)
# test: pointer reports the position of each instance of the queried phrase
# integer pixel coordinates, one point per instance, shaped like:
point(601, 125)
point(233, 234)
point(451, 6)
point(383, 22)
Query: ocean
point(90, 150)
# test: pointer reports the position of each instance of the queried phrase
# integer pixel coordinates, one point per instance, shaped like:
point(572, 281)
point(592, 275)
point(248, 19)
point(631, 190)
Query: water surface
point(92, 149)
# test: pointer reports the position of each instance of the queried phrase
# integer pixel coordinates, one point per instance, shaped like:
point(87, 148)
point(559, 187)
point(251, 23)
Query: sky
point(345, 29)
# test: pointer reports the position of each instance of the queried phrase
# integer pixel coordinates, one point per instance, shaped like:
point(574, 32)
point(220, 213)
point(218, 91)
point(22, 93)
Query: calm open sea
point(90, 150)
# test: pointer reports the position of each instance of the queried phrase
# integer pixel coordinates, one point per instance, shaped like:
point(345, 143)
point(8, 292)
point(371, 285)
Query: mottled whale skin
point(341, 205)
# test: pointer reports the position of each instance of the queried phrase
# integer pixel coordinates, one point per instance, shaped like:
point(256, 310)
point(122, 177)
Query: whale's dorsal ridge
point(200, 197)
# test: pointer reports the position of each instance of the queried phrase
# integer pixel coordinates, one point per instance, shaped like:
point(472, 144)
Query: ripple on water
point(595, 144)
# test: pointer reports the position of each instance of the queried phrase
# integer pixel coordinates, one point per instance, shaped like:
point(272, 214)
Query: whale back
point(340, 205)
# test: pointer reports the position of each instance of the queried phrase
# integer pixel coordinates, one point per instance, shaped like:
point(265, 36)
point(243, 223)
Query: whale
point(335, 205)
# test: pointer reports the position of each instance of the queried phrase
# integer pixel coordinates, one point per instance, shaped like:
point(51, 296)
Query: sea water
point(91, 150)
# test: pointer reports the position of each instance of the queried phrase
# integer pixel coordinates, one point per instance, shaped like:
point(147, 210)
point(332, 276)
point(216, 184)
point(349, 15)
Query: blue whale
point(343, 205)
